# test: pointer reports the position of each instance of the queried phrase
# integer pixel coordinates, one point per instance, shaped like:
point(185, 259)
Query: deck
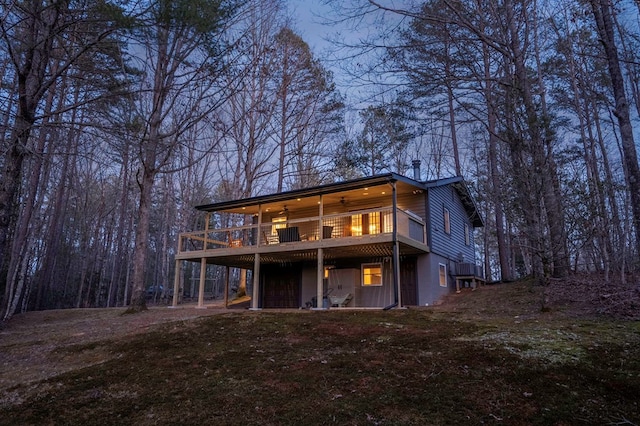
point(469, 272)
point(338, 231)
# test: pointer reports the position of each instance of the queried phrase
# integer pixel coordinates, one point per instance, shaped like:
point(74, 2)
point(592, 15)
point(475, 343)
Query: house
point(375, 242)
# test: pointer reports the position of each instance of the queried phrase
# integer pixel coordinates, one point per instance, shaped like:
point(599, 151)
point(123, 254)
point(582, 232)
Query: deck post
point(320, 267)
point(256, 283)
point(176, 285)
point(320, 281)
point(203, 272)
point(258, 230)
point(226, 286)
point(206, 230)
point(396, 249)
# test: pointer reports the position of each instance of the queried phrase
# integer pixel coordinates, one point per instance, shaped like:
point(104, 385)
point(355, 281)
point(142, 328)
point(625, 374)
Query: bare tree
point(308, 110)
point(603, 14)
point(43, 41)
point(183, 50)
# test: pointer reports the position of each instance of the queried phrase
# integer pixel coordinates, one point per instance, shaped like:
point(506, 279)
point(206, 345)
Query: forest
point(118, 117)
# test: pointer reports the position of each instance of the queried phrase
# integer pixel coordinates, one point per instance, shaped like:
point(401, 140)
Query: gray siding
point(309, 286)
point(429, 289)
point(414, 203)
point(450, 246)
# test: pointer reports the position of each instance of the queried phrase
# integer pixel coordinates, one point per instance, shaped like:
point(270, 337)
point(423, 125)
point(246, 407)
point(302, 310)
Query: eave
point(331, 188)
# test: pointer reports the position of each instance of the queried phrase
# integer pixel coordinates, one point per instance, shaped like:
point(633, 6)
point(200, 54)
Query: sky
point(309, 15)
point(306, 13)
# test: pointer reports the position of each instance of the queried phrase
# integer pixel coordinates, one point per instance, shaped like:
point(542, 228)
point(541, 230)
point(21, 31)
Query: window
point(467, 235)
point(367, 223)
point(372, 274)
point(278, 223)
point(387, 222)
point(356, 225)
point(447, 221)
point(442, 269)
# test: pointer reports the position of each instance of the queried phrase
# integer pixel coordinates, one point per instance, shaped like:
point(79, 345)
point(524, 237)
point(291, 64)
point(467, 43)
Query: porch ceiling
point(246, 261)
point(371, 189)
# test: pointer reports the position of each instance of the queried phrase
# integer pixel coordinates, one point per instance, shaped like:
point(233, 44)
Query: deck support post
point(256, 283)
point(206, 230)
point(320, 281)
point(226, 286)
point(203, 273)
point(320, 267)
point(396, 249)
point(176, 285)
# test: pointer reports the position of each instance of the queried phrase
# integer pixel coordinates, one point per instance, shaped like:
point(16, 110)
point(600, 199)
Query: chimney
point(416, 170)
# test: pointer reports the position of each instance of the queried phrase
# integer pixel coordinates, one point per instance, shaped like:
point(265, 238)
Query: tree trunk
point(542, 159)
point(494, 175)
point(602, 11)
point(138, 295)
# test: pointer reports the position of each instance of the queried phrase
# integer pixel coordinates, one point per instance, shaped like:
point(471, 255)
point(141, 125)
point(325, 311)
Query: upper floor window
point(372, 274)
point(447, 221)
point(467, 234)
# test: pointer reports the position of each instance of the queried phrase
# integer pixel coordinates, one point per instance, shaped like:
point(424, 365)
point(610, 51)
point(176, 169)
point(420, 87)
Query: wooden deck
point(307, 234)
point(469, 272)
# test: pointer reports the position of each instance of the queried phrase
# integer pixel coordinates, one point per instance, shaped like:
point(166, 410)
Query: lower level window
point(371, 274)
point(442, 268)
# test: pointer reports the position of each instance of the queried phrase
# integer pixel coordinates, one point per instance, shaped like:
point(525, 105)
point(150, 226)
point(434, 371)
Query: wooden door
point(408, 281)
point(281, 287)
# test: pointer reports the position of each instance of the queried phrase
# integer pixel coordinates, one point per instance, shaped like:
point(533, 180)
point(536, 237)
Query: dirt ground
point(30, 343)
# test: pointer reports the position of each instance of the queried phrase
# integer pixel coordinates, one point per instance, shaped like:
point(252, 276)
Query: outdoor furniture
point(233, 242)
point(288, 235)
point(340, 301)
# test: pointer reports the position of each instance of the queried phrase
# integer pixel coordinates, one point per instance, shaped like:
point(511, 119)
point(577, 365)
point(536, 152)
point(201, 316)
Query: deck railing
point(334, 226)
point(469, 270)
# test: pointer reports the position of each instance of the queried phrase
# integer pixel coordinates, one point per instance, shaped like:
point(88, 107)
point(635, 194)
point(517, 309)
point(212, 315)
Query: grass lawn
point(484, 357)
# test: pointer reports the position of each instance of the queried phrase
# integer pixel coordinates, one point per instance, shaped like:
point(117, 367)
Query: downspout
point(396, 251)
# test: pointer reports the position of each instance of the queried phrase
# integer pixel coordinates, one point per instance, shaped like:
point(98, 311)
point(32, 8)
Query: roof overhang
point(350, 187)
point(244, 205)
